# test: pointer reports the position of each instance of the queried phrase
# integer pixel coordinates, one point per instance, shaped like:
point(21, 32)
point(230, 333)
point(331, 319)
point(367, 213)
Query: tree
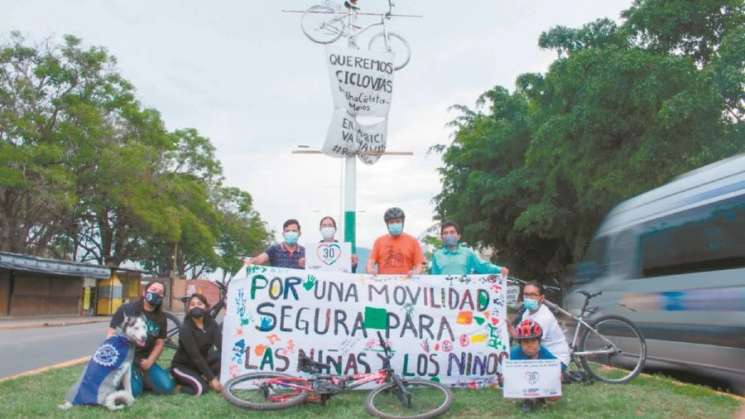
point(89, 174)
point(50, 102)
point(623, 109)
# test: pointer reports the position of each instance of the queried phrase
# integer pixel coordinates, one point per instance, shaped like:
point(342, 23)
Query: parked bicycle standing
point(327, 23)
point(609, 348)
point(396, 397)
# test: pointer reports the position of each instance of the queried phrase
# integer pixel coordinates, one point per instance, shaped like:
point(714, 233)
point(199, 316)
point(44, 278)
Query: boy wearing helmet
point(395, 253)
point(528, 335)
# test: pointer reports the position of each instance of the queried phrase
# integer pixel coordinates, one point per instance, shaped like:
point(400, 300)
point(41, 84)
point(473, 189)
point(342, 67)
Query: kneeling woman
point(197, 361)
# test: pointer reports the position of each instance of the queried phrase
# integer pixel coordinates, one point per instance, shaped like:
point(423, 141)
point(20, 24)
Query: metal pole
point(350, 201)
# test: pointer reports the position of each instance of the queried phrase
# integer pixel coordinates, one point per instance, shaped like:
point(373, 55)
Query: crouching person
point(528, 335)
point(146, 373)
point(196, 364)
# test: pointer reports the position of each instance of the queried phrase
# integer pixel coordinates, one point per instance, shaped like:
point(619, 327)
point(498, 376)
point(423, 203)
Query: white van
point(672, 260)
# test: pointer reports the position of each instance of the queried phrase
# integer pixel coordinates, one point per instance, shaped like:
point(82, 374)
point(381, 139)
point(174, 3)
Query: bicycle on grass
point(173, 322)
point(395, 397)
point(324, 24)
point(609, 348)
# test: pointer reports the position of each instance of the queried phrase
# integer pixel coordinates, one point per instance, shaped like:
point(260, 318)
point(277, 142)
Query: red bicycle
point(395, 397)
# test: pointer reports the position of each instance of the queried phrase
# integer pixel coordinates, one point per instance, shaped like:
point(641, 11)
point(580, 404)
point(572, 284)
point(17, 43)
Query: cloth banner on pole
point(362, 89)
point(450, 329)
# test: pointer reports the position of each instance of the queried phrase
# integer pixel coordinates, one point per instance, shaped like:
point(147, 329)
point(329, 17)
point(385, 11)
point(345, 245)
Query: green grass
point(646, 396)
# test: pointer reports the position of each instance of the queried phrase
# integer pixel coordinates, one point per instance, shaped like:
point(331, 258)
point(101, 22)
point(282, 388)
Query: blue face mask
point(291, 237)
point(450, 240)
point(531, 304)
point(153, 298)
point(395, 229)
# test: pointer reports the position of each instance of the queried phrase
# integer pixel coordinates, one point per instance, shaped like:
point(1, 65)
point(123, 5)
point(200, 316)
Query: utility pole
point(349, 185)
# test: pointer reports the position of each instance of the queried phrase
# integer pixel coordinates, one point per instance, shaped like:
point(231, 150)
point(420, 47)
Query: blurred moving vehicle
point(672, 260)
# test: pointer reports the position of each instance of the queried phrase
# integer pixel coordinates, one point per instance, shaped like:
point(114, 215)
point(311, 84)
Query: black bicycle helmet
point(392, 213)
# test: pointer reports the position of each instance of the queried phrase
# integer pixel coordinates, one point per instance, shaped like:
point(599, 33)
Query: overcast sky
point(243, 74)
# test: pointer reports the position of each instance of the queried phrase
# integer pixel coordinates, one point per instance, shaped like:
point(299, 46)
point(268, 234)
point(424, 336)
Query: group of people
point(394, 253)
point(195, 366)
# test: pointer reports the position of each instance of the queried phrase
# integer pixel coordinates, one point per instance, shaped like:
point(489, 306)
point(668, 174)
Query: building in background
point(34, 286)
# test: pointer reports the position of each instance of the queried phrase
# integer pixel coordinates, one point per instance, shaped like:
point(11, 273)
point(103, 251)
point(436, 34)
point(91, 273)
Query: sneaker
point(526, 406)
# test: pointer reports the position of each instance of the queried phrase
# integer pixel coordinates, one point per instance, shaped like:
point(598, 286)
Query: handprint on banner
point(266, 324)
point(239, 347)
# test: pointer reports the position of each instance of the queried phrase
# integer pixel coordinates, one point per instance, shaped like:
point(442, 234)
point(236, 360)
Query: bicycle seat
point(185, 299)
point(310, 366)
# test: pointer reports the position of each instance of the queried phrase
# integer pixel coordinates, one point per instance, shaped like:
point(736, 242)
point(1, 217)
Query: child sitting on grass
point(528, 334)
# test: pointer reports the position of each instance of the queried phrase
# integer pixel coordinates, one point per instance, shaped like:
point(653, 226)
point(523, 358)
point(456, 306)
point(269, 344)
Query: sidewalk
point(10, 323)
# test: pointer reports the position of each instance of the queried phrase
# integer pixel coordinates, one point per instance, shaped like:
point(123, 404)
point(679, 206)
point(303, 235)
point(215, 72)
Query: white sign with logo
point(334, 256)
point(362, 88)
point(513, 291)
point(531, 378)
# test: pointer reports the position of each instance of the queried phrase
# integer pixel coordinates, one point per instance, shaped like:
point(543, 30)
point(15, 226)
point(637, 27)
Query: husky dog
point(110, 369)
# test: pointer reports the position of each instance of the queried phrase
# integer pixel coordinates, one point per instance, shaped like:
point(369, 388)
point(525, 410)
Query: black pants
point(193, 382)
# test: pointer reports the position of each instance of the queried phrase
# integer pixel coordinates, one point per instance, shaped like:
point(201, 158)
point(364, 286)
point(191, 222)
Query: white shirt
point(553, 337)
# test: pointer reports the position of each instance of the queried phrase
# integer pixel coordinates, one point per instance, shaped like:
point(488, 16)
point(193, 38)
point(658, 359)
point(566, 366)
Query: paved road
point(26, 349)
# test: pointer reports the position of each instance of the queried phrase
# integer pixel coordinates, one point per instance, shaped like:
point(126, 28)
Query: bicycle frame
point(348, 382)
point(580, 324)
point(350, 31)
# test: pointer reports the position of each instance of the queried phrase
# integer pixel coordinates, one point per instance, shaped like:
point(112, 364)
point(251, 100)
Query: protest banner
point(334, 256)
point(362, 88)
point(525, 379)
point(450, 329)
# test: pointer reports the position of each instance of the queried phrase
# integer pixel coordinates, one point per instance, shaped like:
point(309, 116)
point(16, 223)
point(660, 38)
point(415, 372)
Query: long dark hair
point(158, 309)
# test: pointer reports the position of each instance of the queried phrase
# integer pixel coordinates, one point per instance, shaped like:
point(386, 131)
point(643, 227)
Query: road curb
point(36, 371)
point(50, 324)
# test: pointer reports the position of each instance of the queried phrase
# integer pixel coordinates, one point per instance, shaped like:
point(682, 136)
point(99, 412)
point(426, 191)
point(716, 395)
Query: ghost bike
point(323, 24)
point(395, 397)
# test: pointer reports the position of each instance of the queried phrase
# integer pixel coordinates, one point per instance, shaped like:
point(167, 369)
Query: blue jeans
point(156, 379)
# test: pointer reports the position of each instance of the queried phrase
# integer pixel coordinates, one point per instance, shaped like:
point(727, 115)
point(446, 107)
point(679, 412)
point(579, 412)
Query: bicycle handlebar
point(516, 280)
point(588, 295)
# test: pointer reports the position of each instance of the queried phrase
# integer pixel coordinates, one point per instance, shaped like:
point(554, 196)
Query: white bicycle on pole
point(327, 23)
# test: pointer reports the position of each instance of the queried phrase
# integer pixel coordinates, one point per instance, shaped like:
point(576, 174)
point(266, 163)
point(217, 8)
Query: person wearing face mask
point(395, 253)
point(288, 254)
point(534, 309)
point(456, 259)
point(146, 373)
point(196, 364)
point(328, 231)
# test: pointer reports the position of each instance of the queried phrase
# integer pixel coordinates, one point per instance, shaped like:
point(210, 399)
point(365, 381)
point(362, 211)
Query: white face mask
point(328, 232)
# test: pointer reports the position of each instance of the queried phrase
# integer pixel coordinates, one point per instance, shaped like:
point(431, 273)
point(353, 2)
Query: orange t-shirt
point(396, 255)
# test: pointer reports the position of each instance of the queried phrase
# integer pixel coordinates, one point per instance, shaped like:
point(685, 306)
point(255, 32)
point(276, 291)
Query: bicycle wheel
point(427, 399)
point(321, 24)
point(395, 44)
point(265, 391)
point(628, 350)
point(173, 325)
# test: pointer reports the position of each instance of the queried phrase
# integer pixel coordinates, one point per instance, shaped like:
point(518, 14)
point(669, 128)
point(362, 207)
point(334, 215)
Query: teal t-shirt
point(460, 261)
